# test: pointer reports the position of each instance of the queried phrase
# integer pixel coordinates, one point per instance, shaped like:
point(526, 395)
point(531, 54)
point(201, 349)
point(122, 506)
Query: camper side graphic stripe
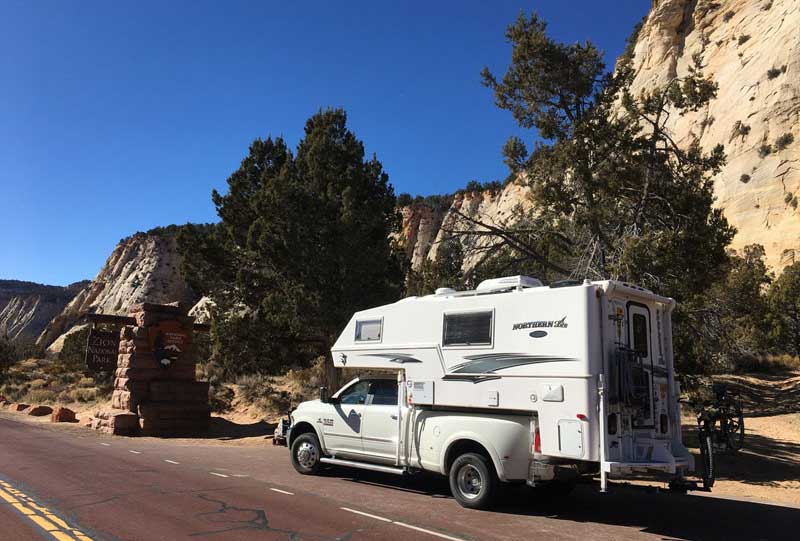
point(491, 362)
point(399, 358)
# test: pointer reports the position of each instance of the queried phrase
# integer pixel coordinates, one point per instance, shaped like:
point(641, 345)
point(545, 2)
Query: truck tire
point(306, 453)
point(473, 481)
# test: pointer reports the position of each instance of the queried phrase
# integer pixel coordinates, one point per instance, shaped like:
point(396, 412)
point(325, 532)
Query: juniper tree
point(614, 196)
point(303, 242)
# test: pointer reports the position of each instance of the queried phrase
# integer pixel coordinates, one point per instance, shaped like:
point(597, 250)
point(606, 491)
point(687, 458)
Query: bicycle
point(729, 436)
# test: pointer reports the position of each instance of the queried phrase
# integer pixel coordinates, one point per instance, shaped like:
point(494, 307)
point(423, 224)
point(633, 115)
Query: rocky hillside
point(26, 307)
point(424, 227)
point(142, 268)
point(751, 48)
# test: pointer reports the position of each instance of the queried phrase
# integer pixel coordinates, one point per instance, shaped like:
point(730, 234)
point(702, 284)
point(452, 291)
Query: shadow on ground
point(762, 461)
point(225, 430)
point(764, 395)
point(645, 509)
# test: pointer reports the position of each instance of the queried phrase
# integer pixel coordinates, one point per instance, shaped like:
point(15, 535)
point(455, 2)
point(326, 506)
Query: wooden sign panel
point(101, 350)
point(168, 341)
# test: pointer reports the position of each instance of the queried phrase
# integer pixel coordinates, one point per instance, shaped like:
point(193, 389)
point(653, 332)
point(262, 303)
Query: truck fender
point(301, 427)
point(471, 436)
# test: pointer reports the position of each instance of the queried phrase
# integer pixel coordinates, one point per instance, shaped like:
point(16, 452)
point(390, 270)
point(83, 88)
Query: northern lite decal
point(543, 324)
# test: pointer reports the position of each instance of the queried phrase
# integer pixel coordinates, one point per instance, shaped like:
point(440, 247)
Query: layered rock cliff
point(425, 227)
point(751, 48)
point(142, 268)
point(26, 307)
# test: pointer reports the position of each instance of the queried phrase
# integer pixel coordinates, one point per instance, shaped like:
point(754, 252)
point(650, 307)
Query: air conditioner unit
point(508, 282)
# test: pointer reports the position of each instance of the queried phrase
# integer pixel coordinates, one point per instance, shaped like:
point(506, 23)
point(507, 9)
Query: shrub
point(83, 395)
point(784, 141)
point(764, 150)
point(220, 398)
point(745, 178)
point(728, 16)
point(787, 198)
point(793, 202)
point(767, 6)
point(744, 38)
point(773, 72)
point(41, 396)
point(404, 200)
point(740, 129)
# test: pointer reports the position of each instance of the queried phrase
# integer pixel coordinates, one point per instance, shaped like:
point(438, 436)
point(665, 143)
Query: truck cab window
point(383, 392)
point(468, 329)
point(356, 394)
point(640, 345)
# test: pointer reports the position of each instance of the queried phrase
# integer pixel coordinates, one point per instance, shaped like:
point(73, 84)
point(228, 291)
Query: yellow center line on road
point(39, 515)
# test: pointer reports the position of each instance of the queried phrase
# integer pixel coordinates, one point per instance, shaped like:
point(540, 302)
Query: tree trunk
point(331, 373)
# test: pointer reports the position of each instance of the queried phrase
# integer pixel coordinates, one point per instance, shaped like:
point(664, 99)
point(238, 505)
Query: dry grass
point(51, 382)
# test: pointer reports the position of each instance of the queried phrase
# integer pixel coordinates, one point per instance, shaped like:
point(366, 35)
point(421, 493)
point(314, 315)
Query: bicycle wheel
point(707, 458)
point(735, 430)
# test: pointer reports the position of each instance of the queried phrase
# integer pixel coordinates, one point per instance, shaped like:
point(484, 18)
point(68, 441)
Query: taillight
point(537, 442)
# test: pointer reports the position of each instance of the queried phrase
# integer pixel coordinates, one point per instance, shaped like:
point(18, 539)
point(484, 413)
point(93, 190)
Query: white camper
point(515, 381)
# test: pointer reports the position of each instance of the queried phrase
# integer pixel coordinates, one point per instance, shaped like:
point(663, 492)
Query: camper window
point(369, 331)
point(468, 329)
point(640, 335)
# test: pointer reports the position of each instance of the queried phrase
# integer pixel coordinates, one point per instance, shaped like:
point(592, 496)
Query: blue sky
point(117, 117)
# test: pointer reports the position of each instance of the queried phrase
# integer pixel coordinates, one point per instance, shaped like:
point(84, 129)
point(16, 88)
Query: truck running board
point(362, 465)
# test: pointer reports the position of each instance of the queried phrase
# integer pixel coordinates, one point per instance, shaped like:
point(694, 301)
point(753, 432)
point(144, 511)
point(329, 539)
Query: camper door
point(639, 341)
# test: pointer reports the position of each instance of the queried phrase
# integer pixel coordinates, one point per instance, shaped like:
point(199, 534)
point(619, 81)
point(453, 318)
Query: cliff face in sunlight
point(144, 267)
point(751, 48)
point(26, 307)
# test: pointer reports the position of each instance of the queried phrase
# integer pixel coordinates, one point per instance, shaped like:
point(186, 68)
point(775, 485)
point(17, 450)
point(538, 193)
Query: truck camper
point(512, 382)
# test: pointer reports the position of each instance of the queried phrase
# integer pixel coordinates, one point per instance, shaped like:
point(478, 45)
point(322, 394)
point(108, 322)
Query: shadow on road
point(646, 509)
point(225, 430)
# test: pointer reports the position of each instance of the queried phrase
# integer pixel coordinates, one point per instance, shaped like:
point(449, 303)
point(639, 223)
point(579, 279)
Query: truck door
point(639, 338)
point(380, 428)
point(342, 431)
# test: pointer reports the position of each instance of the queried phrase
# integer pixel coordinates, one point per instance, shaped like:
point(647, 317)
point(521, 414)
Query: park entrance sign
point(102, 348)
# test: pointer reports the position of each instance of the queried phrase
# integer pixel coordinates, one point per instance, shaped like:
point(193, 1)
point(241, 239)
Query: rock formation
point(751, 48)
point(142, 268)
point(424, 228)
point(26, 308)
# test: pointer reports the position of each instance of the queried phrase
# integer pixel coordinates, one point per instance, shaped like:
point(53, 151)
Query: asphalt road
point(70, 483)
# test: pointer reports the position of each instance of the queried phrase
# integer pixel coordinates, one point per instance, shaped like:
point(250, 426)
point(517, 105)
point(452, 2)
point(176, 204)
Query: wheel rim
point(307, 455)
point(469, 481)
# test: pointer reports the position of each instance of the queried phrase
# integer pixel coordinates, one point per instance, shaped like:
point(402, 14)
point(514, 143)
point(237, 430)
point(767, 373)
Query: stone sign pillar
point(155, 392)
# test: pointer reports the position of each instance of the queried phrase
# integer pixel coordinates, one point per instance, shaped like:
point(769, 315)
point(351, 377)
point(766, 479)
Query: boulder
point(63, 415)
point(40, 411)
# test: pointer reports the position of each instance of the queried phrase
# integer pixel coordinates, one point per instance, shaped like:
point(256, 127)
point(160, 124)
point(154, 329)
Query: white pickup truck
point(359, 427)
point(512, 382)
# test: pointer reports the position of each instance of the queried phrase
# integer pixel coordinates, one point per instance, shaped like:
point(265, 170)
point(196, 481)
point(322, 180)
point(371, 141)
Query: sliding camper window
point(468, 329)
point(369, 330)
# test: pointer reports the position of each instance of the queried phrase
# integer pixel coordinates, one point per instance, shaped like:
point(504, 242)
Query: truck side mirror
point(323, 395)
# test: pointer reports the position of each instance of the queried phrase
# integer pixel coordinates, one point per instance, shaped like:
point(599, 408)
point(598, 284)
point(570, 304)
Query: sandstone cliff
point(751, 48)
point(26, 307)
point(424, 227)
point(142, 268)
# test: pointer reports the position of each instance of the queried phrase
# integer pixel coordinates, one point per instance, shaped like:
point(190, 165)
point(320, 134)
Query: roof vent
point(444, 291)
point(508, 282)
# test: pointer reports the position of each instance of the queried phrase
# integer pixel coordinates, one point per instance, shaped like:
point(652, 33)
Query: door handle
point(393, 416)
